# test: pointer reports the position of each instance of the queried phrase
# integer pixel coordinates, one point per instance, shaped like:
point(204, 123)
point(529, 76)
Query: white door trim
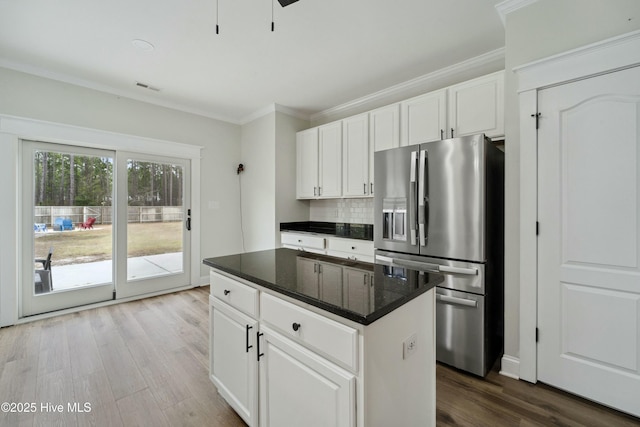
point(598, 58)
point(13, 129)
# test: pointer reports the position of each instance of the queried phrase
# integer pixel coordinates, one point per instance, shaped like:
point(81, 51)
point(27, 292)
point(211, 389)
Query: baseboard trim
point(510, 367)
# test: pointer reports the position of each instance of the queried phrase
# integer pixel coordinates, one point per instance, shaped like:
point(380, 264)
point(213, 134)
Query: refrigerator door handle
point(412, 199)
point(428, 267)
point(457, 301)
point(458, 270)
point(416, 265)
point(422, 209)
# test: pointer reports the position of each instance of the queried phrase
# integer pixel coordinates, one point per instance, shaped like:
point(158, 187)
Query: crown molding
point(506, 7)
point(605, 56)
point(493, 59)
point(271, 108)
point(65, 78)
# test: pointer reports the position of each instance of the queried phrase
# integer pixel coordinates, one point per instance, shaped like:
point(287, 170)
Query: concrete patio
point(93, 273)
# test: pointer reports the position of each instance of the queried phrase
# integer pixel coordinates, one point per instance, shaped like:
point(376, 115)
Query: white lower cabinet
point(300, 388)
point(299, 366)
point(233, 363)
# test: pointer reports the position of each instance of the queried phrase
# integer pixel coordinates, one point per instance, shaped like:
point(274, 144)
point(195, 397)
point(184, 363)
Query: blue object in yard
point(61, 224)
point(39, 227)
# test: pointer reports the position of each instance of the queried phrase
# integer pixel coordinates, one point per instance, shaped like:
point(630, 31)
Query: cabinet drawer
point(234, 293)
point(302, 240)
point(334, 340)
point(351, 247)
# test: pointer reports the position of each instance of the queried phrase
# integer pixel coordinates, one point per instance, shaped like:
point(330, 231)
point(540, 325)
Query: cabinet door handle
point(441, 134)
point(296, 326)
point(315, 191)
point(319, 191)
point(371, 188)
point(451, 132)
point(247, 337)
point(364, 188)
point(227, 291)
point(258, 335)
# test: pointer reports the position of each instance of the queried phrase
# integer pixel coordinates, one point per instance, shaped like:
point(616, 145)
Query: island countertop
point(294, 273)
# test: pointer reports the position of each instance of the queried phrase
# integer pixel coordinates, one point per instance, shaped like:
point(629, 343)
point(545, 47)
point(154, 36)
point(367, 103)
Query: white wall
point(28, 96)
point(539, 30)
point(288, 209)
point(269, 181)
point(258, 155)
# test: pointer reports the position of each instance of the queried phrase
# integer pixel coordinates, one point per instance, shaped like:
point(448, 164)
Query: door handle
point(458, 270)
point(413, 208)
point(457, 301)
point(259, 355)
point(247, 338)
point(422, 198)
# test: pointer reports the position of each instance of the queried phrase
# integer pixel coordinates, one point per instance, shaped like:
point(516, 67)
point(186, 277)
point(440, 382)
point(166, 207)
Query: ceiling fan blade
point(284, 3)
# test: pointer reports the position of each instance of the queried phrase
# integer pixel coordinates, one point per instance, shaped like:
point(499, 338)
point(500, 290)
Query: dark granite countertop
point(346, 288)
point(338, 229)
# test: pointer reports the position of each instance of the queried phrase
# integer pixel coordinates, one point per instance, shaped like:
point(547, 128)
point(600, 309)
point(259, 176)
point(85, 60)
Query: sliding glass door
point(101, 225)
point(68, 234)
point(155, 239)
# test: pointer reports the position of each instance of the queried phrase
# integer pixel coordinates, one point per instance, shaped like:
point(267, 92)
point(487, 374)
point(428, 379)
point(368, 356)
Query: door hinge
point(537, 116)
point(537, 334)
point(537, 228)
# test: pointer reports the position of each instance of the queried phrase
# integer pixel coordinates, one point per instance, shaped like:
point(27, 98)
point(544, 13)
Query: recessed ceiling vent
point(146, 86)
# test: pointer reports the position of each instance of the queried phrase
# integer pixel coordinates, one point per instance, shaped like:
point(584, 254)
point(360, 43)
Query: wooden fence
point(103, 214)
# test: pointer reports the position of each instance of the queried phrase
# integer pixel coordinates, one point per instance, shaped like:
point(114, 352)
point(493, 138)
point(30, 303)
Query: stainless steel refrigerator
point(439, 207)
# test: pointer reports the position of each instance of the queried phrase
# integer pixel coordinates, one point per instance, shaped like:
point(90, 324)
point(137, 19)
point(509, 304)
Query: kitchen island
point(305, 339)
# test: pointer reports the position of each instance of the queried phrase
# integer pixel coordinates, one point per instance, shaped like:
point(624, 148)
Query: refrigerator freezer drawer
point(460, 340)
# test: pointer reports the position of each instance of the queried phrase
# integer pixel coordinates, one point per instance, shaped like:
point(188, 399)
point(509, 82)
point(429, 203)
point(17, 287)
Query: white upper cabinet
point(336, 159)
point(424, 118)
point(477, 106)
point(307, 163)
point(319, 162)
point(355, 156)
point(330, 165)
point(384, 128)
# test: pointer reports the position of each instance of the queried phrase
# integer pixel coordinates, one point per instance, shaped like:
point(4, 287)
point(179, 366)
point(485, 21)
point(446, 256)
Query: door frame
point(606, 56)
point(15, 129)
point(31, 305)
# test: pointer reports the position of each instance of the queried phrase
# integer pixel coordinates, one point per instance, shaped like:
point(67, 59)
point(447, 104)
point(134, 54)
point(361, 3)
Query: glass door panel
point(68, 238)
point(154, 219)
point(157, 242)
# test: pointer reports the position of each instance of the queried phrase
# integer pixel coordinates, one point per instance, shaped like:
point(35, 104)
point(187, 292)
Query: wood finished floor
point(144, 363)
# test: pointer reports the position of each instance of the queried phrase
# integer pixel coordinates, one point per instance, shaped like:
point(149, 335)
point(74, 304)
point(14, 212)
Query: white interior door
point(589, 241)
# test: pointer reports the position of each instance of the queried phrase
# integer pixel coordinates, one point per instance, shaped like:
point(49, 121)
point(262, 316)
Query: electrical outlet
point(409, 346)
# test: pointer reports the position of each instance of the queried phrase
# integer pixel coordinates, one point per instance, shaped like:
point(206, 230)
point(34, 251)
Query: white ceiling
point(322, 53)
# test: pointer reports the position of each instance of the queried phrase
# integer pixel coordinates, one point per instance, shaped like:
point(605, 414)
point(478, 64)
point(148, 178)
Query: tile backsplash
point(357, 211)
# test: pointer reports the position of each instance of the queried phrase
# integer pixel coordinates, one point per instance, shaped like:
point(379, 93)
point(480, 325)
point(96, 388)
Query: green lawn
point(80, 246)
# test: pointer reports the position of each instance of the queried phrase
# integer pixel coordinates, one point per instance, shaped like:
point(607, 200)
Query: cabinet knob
point(295, 326)
point(227, 291)
point(353, 248)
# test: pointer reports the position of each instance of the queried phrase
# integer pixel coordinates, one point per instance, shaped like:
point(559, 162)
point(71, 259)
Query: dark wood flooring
point(145, 363)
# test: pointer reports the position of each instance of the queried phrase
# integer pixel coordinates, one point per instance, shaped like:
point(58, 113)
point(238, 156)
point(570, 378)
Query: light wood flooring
point(146, 363)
